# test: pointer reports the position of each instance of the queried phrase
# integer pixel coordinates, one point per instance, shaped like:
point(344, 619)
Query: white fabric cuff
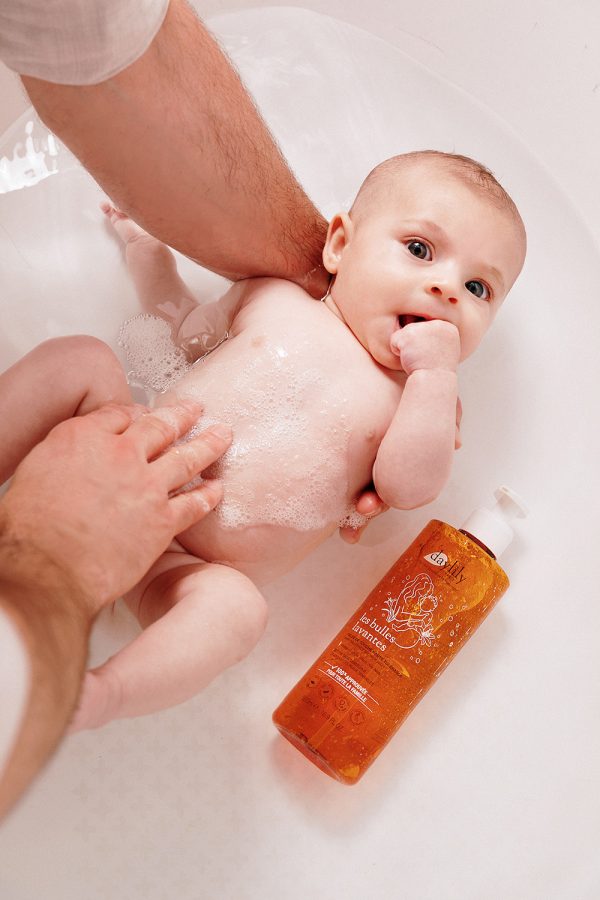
point(79, 42)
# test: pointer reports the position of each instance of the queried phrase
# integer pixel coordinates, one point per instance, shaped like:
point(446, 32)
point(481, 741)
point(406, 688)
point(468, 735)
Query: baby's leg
point(196, 328)
point(61, 378)
point(153, 269)
point(199, 619)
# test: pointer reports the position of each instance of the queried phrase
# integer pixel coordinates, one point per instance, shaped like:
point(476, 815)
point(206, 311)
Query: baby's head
point(430, 235)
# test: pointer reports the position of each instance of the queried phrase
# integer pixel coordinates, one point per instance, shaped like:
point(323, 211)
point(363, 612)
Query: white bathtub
point(489, 790)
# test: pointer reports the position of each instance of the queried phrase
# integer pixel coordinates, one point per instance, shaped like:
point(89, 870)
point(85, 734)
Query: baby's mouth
point(408, 319)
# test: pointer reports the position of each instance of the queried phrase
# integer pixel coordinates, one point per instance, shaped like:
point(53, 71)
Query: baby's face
point(432, 247)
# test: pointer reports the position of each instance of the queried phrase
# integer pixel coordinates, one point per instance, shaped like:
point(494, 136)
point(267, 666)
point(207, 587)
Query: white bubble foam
point(352, 518)
point(153, 357)
point(270, 474)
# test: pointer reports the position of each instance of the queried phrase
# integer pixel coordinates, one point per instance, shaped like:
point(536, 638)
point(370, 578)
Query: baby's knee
point(246, 609)
point(81, 354)
point(91, 349)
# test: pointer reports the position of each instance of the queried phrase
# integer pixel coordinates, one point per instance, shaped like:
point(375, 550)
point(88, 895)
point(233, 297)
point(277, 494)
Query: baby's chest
point(289, 383)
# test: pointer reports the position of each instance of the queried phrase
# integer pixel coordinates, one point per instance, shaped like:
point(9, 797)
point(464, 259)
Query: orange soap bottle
point(353, 699)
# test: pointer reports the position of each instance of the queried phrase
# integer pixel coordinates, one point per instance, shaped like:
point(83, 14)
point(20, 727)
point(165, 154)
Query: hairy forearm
point(415, 456)
point(48, 612)
point(177, 143)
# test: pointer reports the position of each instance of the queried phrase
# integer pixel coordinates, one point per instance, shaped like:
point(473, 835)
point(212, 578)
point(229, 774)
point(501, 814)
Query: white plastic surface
point(490, 788)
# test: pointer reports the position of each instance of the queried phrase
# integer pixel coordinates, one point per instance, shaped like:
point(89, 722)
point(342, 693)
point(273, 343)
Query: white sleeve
point(77, 41)
point(14, 685)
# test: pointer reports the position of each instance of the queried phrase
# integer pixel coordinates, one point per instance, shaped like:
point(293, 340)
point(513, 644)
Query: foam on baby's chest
point(287, 465)
point(292, 406)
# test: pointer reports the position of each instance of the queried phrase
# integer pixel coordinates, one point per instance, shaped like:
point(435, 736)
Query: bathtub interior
point(499, 761)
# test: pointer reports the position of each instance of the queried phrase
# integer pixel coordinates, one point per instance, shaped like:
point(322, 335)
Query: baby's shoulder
point(271, 288)
point(271, 299)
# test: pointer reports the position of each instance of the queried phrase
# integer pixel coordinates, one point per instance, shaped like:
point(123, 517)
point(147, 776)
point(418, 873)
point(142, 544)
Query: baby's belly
point(262, 552)
point(286, 483)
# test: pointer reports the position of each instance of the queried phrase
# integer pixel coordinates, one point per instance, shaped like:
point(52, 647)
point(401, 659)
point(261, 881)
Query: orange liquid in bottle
point(352, 700)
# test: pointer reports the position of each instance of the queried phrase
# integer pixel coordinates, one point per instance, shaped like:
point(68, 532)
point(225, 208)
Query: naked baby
point(323, 398)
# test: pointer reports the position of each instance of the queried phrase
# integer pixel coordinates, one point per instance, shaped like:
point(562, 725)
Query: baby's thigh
point(229, 607)
point(219, 597)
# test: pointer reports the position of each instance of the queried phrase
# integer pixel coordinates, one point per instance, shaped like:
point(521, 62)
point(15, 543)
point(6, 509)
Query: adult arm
point(59, 567)
point(176, 141)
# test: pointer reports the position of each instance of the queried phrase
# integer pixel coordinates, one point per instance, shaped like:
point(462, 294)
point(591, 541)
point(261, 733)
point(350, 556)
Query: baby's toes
point(125, 227)
point(98, 702)
point(112, 212)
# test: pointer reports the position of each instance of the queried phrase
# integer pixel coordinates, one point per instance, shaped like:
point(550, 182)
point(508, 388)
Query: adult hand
point(95, 498)
point(87, 513)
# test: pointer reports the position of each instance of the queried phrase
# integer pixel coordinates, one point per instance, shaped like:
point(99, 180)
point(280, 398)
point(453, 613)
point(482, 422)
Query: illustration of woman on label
point(412, 612)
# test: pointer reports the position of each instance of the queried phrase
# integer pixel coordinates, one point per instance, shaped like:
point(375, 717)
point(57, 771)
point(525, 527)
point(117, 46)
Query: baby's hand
point(427, 345)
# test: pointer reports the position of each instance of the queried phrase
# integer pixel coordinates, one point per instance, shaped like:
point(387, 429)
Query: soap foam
point(352, 518)
point(268, 474)
point(154, 359)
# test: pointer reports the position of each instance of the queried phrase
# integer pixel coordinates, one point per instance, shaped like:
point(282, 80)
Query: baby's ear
point(339, 235)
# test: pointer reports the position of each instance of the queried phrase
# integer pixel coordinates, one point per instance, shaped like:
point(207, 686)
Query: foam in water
point(154, 359)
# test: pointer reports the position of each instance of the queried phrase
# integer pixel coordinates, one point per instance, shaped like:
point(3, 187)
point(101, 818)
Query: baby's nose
point(442, 292)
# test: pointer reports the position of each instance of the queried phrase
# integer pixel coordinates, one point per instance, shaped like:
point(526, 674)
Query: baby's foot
point(125, 227)
point(98, 702)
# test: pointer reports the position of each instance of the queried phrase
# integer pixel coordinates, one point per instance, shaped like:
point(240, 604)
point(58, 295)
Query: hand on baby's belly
point(285, 477)
point(283, 493)
point(308, 407)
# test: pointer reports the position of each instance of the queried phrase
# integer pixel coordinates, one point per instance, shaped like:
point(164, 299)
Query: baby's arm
point(415, 456)
point(59, 379)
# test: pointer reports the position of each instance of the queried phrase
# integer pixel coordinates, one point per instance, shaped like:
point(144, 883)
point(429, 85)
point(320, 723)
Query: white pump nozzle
point(491, 526)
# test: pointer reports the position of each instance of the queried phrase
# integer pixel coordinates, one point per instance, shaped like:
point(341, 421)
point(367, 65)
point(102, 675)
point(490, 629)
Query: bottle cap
point(491, 526)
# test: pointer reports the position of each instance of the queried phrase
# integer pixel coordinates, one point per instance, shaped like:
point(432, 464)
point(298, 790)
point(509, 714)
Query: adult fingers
point(116, 418)
point(155, 431)
point(181, 463)
point(191, 506)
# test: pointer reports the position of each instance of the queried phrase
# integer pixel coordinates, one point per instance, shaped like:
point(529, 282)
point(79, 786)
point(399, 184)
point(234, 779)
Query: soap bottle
point(353, 699)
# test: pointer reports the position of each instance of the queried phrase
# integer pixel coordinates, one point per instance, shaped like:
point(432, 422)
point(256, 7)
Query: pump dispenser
point(491, 527)
point(348, 705)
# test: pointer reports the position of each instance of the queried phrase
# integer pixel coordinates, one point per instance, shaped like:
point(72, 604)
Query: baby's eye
point(478, 288)
point(419, 249)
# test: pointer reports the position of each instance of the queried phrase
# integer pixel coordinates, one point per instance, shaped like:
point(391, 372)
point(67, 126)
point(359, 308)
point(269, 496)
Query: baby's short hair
point(468, 170)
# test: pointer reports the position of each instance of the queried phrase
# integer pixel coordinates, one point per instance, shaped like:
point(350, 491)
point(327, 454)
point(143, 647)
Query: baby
point(323, 397)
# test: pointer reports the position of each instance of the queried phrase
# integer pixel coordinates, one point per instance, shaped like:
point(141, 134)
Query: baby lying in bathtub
point(323, 397)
